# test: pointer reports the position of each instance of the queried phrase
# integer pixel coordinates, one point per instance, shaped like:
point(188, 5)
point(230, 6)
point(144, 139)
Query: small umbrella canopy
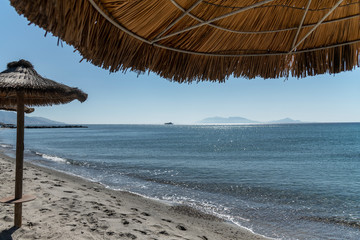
point(20, 84)
point(197, 40)
point(21, 76)
point(12, 108)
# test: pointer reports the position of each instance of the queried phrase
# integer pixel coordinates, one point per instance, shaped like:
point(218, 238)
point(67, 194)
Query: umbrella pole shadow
point(7, 234)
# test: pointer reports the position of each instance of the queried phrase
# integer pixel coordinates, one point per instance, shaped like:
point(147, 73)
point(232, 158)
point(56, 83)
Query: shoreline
point(71, 207)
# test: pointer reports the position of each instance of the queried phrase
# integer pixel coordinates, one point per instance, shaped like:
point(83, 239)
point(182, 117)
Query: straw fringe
point(14, 108)
point(100, 42)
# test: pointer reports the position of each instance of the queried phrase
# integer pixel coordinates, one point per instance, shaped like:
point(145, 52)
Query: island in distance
point(241, 120)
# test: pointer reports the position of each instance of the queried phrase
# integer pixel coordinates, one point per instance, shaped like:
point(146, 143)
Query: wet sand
point(69, 207)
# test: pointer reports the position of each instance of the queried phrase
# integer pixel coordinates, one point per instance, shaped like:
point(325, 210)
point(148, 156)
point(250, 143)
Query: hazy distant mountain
point(244, 120)
point(227, 120)
point(285, 120)
point(10, 118)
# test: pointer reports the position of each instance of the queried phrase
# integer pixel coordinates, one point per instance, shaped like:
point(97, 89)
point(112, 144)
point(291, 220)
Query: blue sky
point(150, 99)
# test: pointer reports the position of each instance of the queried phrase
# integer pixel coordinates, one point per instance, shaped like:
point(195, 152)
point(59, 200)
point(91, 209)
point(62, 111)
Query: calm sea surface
point(296, 181)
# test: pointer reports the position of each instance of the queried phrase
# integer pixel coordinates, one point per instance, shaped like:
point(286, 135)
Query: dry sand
point(69, 207)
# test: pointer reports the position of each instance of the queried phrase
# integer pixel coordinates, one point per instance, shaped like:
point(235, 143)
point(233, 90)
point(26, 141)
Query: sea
point(284, 181)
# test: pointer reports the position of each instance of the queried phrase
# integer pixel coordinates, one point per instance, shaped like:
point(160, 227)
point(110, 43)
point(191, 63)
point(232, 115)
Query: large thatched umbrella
point(187, 40)
point(20, 84)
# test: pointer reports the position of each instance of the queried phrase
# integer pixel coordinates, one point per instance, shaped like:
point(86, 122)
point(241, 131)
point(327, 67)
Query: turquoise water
point(296, 181)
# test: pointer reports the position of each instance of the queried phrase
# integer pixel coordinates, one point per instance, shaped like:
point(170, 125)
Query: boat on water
point(168, 123)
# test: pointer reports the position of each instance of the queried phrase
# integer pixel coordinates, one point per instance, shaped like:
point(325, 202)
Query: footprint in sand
point(7, 219)
point(127, 235)
point(68, 191)
point(96, 203)
point(43, 210)
point(103, 225)
point(164, 233)
point(140, 231)
point(125, 222)
point(137, 221)
point(181, 227)
point(94, 229)
point(31, 224)
point(111, 214)
point(92, 219)
point(60, 181)
point(96, 207)
point(166, 220)
point(71, 225)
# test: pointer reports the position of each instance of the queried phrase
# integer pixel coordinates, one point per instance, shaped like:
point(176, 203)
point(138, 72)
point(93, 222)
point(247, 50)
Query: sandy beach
point(68, 207)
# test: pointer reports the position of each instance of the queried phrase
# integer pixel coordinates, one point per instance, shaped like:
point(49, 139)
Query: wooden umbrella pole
point(19, 158)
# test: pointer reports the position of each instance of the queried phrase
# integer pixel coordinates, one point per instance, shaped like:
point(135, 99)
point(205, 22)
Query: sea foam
point(52, 158)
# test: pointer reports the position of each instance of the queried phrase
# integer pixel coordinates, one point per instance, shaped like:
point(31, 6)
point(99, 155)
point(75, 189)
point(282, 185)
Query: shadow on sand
point(6, 234)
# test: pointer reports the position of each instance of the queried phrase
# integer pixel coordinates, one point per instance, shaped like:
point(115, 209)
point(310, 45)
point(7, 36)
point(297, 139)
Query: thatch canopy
point(196, 40)
point(21, 76)
point(13, 108)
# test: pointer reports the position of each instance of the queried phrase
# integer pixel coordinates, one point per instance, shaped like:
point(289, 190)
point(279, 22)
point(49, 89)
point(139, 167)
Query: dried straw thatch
point(13, 108)
point(187, 40)
point(21, 77)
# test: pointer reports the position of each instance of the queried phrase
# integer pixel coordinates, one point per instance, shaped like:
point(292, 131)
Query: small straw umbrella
point(20, 84)
point(206, 40)
point(13, 108)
